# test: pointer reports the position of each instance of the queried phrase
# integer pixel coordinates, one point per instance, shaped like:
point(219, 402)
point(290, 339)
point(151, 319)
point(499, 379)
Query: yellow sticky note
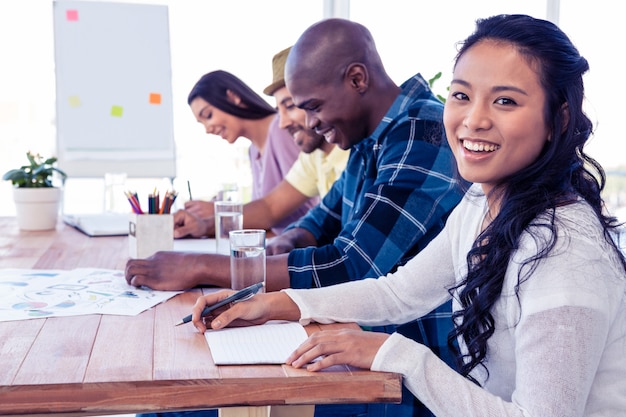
point(117, 111)
point(74, 101)
point(155, 98)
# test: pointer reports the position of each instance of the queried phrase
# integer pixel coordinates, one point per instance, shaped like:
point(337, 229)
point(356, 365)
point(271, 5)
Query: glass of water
point(228, 217)
point(115, 201)
point(229, 192)
point(247, 258)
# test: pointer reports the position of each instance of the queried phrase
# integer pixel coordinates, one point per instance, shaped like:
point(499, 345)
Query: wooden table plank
point(67, 249)
point(129, 340)
point(186, 352)
point(108, 252)
point(61, 351)
point(22, 249)
point(16, 341)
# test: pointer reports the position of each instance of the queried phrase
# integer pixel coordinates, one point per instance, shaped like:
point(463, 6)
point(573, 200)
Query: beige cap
point(278, 70)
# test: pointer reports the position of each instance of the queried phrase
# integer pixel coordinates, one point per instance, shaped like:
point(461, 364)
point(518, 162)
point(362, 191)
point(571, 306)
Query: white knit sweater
point(559, 348)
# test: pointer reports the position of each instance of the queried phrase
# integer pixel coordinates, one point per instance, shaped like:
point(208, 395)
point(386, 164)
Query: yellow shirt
point(313, 174)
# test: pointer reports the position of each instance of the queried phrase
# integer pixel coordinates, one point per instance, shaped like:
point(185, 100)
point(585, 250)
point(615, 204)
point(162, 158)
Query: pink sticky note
point(71, 15)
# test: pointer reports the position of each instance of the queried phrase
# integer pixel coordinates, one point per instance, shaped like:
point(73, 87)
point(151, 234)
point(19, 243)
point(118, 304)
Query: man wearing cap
point(319, 164)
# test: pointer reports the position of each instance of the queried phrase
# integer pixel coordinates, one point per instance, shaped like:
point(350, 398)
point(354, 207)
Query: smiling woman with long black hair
point(537, 282)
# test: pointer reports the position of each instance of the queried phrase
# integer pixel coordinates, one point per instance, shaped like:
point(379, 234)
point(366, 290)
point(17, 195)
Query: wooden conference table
point(104, 364)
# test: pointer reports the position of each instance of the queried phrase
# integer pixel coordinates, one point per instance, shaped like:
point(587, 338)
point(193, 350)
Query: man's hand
point(279, 244)
point(174, 271)
point(199, 208)
point(289, 240)
point(188, 224)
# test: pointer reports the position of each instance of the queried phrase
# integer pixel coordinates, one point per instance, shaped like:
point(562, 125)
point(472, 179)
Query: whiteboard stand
point(113, 89)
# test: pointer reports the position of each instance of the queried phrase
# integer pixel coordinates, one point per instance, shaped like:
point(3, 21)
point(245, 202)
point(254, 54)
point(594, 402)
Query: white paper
point(101, 224)
point(195, 245)
point(269, 343)
point(37, 293)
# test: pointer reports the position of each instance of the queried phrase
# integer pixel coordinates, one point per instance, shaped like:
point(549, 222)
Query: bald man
point(393, 197)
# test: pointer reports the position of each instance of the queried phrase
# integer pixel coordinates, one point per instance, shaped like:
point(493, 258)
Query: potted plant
point(36, 198)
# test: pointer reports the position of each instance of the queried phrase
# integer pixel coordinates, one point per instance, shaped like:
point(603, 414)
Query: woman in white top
point(538, 285)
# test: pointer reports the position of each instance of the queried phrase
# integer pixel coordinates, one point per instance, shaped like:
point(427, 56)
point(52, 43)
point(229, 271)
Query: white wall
point(241, 36)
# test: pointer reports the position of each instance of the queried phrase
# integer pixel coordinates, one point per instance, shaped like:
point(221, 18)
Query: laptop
point(100, 224)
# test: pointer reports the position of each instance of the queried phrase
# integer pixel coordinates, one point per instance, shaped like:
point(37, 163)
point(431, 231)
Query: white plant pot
point(37, 208)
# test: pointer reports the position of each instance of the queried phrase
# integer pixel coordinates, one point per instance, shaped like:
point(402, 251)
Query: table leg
point(273, 411)
point(262, 411)
point(292, 411)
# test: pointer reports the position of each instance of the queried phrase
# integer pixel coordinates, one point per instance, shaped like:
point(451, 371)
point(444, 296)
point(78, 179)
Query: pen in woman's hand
point(238, 296)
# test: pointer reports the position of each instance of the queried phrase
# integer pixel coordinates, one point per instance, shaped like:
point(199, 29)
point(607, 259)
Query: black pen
point(238, 296)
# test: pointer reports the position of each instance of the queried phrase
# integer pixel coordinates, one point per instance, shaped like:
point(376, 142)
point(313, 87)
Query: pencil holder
point(150, 233)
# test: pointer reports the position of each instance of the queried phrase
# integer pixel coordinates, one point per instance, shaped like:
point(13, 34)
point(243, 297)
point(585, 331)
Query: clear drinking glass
point(247, 258)
point(115, 201)
point(228, 217)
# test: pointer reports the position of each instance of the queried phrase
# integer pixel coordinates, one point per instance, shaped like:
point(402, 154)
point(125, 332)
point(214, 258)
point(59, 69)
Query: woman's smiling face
point(494, 114)
point(215, 121)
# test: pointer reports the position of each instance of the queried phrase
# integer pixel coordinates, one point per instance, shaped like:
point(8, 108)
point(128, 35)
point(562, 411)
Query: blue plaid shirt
point(393, 197)
point(391, 200)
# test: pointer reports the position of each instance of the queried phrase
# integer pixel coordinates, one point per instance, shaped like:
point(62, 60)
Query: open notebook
point(269, 343)
point(102, 224)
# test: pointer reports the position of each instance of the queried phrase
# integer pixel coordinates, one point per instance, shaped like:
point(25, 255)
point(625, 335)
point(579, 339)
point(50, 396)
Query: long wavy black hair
point(560, 175)
point(213, 87)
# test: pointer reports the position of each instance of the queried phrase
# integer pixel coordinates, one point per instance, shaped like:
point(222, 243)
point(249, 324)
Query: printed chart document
point(36, 293)
point(269, 343)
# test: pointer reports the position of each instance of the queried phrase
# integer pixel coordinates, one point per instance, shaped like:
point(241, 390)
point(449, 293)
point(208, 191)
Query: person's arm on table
point(256, 310)
point(178, 271)
point(410, 292)
point(346, 346)
point(290, 240)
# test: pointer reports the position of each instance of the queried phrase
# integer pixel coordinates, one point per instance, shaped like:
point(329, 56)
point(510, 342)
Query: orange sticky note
point(117, 111)
point(155, 98)
point(71, 15)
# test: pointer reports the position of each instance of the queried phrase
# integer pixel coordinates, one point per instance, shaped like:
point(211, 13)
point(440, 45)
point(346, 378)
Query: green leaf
point(38, 174)
point(431, 81)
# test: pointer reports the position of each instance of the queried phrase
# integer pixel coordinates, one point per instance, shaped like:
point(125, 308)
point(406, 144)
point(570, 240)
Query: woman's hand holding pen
point(351, 347)
point(256, 310)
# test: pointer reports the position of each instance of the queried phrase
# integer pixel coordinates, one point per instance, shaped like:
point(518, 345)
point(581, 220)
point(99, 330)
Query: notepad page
point(269, 343)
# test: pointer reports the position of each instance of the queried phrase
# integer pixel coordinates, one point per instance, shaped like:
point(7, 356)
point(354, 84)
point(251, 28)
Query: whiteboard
point(113, 89)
